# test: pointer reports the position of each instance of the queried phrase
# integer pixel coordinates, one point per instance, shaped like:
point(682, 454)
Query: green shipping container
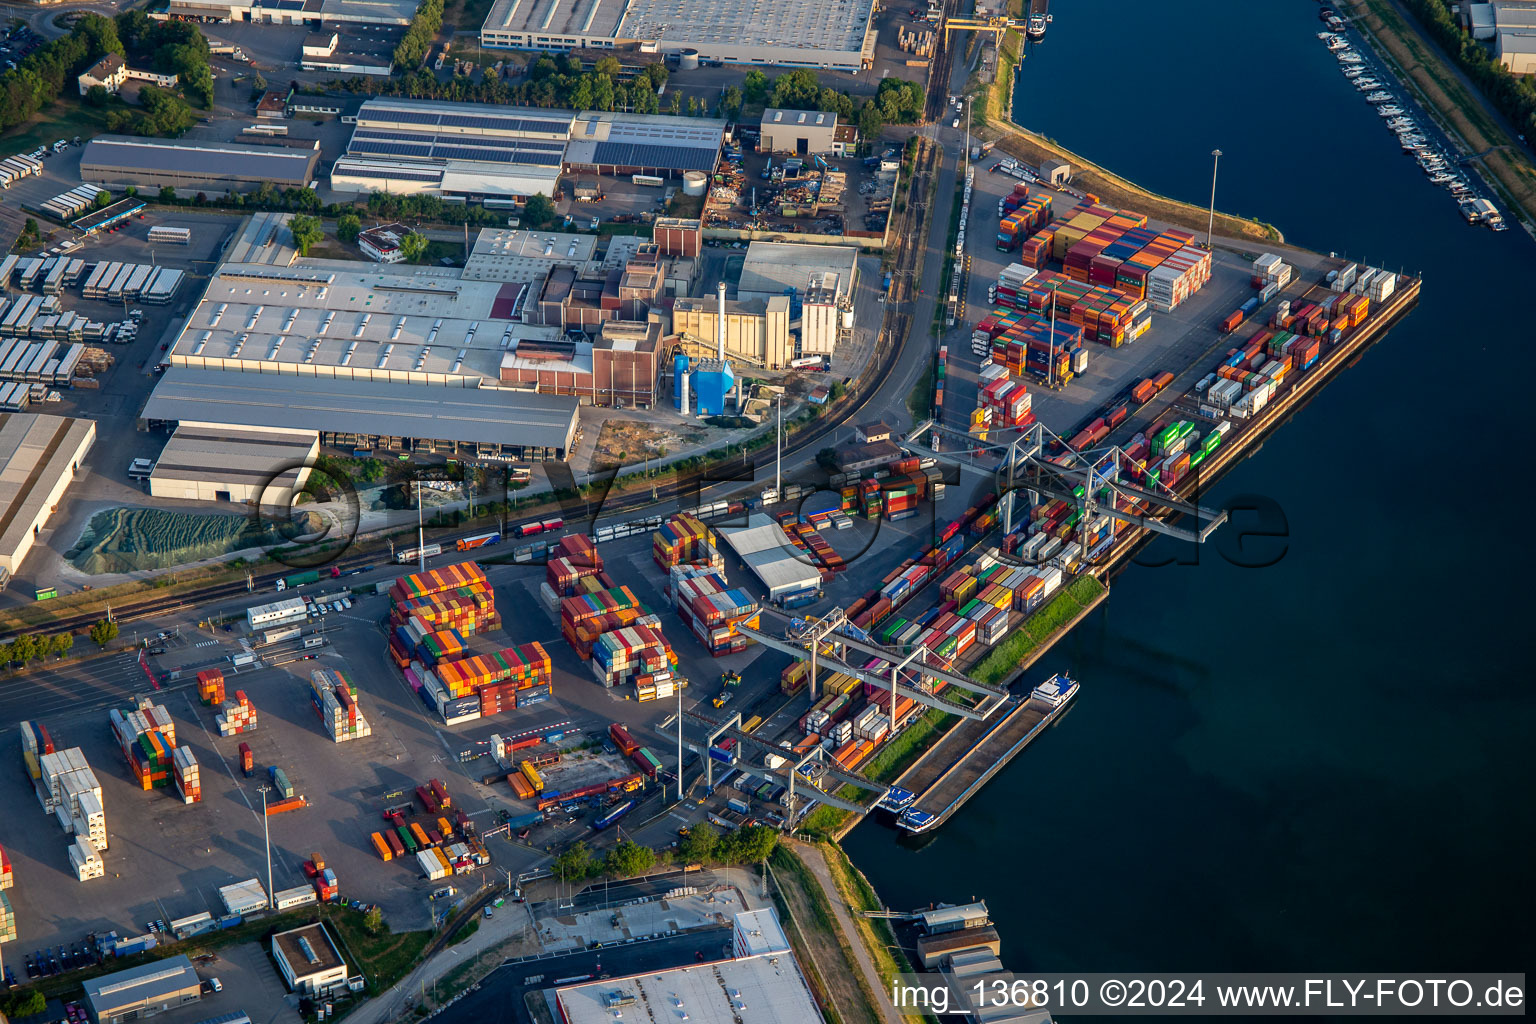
point(406, 838)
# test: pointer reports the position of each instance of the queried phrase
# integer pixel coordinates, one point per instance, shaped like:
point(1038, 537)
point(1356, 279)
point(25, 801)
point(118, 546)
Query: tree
point(24, 648)
point(608, 67)
point(747, 845)
point(29, 1005)
point(675, 104)
point(539, 210)
point(167, 194)
point(730, 102)
point(97, 96)
point(413, 246)
point(698, 846)
point(348, 225)
point(657, 75)
point(62, 644)
point(574, 862)
point(755, 86)
point(629, 858)
point(799, 89)
point(103, 632)
point(693, 106)
point(30, 227)
point(103, 198)
point(374, 920)
point(306, 232)
point(100, 36)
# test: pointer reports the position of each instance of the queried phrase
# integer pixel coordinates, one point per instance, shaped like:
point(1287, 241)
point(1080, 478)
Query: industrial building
point(212, 168)
point(519, 257)
point(752, 988)
point(142, 991)
point(819, 281)
point(678, 236)
point(352, 413)
point(620, 367)
point(382, 242)
point(39, 458)
point(480, 150)
point(309, 961)
point(756, 331)
point(297, 12)
point(767, 550)
point(800, 132)
point(454, 149)
point(839, 36)
point(264, 468)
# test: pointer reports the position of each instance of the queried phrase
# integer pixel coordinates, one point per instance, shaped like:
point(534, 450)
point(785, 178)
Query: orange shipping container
point(420, 834)
point(381, 847)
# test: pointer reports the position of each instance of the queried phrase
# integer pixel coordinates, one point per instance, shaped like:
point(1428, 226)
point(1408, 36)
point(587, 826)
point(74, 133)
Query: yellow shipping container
point(966, 590)
point(33, 768)
point(442, 859)
point(444, 828)
point(532, 775)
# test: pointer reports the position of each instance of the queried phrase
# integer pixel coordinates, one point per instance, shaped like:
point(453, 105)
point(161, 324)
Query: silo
point(688, 60)
point(679, 380)
point(695, 183)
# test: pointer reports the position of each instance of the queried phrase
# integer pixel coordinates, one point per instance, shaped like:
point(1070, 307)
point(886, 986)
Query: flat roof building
point(142, 991)
point(518, 257)
point(263, 468)
point(758, 933)
point(771, 268)
point(767, 550)
point(801, 132)
point(309, 961)
point(761, 988)
point(356, 413)
point(657, 144)
point(213, 168)
point(757, 330)
point(382, 242)
point(39, 457)
point(813, 35)
point(297, 12)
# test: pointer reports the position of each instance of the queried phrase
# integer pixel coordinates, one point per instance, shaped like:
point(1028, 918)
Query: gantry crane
point(1074, 476)
point(994, 25)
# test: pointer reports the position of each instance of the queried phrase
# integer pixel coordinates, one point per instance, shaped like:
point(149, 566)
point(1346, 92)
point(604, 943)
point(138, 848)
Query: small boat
point(1035, 27)
point(1350, 57)
point(1389, 111)
point(1441, 177)
point(1056, 691)
point(1338, 43)
point(1379, 96)
point(1353, 72)
point(1366, 84)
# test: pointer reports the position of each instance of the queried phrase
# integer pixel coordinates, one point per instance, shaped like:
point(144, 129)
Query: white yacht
point(1379, 96)
point(1389, 111)
point(1056, 691)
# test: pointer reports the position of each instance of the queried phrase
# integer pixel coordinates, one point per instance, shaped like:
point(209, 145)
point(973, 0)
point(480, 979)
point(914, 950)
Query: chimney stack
point(720, 324)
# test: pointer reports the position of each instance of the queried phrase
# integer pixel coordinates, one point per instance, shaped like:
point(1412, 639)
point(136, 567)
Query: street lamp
point(266, 833)
point(1210, 226)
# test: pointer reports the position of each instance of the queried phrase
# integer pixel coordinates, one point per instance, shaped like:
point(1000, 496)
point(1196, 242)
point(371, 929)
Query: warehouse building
point(619, 143)
point(481, 150)
point(800, 132)
point(820, 280)
point(309, 961)
point(262, 468)
point(297, 12)
point(767, 550)
point(39, 458)
point(764, 987)
point(350, 413)
point(678, 236)
point(839, 36)
point(212, 168)
point(142, 991)
point(454, 149)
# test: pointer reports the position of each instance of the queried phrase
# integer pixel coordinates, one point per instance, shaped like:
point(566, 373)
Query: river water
point(1325, 763)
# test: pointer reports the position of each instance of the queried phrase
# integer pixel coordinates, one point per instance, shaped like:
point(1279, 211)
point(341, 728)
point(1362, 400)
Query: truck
point(298, 579)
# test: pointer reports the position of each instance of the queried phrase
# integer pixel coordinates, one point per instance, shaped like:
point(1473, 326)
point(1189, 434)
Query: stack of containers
point(210, 686)
point(437, 645)
point(1178, 277)
point(236, 716)
point(1009, 401)
point(6, 878)
point(585, 618)
point(940, 372)
point(188, 782)
point(7, 919)
point(147, 737)
point(683, 539)
point(86, 861)
point(35, 742)
point(334, 698)
point(326, 885)
point(436, 581)
point(712, 612)
point(624, 654)
point(524, 666)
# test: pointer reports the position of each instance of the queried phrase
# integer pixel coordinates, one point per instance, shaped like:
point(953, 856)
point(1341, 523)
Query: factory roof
point(476, 415)
point(570, 357)
point(751, 990)
point(503, 254)
point(466, 119)
point(761, 933)
point(775, 117)
point(36, 451)
point(551, 17)
point(749, 23)
point(308, 950)
point(260, 457)
point(640, 140)
point(374, 321)
point(763, 545)
point(771, 267)
point(377, 12)
point(146, 982)
point(124, 153)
